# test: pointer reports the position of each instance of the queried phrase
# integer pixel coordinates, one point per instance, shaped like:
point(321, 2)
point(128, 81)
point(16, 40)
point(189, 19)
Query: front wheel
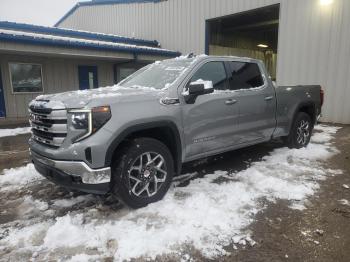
point(143, 173)
point(300, 133)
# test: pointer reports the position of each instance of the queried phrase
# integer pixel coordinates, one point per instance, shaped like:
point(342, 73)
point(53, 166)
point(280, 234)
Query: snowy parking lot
point(205, 215)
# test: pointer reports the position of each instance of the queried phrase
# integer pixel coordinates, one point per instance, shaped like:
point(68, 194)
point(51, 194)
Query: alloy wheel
point(147, 174)
point(303, 132)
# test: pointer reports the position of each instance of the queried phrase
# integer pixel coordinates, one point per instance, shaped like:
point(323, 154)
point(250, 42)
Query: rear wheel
point(300, 133)
point(143, 173)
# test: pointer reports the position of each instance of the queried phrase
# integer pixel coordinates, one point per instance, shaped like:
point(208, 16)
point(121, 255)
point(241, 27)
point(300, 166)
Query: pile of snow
point(14, 131)
point(15, 178)
point(205, 215)
point(323, 134)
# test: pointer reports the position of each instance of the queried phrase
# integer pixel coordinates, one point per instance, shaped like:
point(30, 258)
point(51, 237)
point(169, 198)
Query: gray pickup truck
point(132, 139)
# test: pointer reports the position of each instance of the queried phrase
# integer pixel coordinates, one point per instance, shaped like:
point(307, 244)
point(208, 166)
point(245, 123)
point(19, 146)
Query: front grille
point(49, 127)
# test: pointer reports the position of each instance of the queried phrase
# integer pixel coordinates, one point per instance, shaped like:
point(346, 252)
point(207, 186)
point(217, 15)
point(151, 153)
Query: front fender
point(116, 142)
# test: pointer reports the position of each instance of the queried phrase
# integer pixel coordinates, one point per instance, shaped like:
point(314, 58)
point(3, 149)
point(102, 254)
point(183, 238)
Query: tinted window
point(244, 75)
point(212, 71)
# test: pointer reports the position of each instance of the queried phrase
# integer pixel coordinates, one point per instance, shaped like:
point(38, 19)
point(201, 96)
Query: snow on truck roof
point(192, 57)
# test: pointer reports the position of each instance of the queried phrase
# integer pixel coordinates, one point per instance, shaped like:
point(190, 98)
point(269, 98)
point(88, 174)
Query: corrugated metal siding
point(177, 24)
point(59, 75)
point(313, 48)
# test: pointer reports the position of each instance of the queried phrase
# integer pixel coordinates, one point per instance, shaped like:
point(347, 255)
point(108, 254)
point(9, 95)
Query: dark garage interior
point(250, 34)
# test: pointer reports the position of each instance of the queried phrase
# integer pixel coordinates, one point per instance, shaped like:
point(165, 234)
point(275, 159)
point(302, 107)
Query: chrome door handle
point(230, 102)
point(268, 98)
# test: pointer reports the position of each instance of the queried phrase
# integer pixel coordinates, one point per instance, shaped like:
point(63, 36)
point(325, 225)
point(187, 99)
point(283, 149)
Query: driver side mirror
point(196, 89)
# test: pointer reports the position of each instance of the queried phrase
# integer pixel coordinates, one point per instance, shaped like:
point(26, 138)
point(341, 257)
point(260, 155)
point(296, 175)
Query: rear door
point(256, 101)
point(2, 99)
point(87, 77)
point(210, 122)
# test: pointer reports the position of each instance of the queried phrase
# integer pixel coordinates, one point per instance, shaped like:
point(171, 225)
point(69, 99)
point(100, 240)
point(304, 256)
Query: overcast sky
point(39, 12)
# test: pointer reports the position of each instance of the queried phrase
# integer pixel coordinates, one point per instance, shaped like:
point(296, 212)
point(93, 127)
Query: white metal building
point(308, 41)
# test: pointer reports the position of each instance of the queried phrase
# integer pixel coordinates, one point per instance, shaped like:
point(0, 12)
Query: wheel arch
point(164, 131)
point(308, 107)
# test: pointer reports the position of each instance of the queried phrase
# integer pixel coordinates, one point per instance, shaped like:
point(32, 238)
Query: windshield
point(158, 75)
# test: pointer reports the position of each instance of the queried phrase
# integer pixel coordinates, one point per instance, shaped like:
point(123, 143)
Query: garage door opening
point(250, 34)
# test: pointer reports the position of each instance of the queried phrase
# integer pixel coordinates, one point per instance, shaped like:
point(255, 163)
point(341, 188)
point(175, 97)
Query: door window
point(91, 80)
point(243, 75)
point(212, 71)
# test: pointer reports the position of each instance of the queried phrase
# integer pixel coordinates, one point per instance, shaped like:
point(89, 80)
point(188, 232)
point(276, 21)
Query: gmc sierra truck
point(131, 139)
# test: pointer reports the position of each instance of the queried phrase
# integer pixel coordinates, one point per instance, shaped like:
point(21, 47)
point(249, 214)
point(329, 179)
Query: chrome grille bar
point(49, 126)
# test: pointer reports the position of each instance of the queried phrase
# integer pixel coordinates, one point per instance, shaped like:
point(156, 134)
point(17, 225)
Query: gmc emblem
point(36, 118)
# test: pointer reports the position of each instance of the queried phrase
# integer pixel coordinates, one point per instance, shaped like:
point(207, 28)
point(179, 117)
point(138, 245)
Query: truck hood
point(102, 96)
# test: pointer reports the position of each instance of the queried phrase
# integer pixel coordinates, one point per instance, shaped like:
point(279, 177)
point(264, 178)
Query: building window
point(125, 72)
point(26, 78)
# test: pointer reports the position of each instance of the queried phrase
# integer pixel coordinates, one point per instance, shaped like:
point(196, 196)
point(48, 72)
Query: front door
point(209, 123)
point(2, 100)
point(87, 77)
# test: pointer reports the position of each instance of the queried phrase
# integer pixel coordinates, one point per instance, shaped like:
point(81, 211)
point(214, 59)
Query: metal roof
point(102, 2)
point(48, 36)
point(77, 33)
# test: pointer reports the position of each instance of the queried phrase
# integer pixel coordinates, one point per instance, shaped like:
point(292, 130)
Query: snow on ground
point(71, 201)
point(344, 202)
point(14, 131)
point(14, 178)
point(208, 214)
point(324, 135)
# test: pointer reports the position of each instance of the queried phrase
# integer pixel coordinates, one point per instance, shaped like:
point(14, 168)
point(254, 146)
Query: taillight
point(322, 96)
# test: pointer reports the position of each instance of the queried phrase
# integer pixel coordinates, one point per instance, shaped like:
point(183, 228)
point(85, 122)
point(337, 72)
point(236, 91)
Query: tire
point(138, 176)
point(300, 133)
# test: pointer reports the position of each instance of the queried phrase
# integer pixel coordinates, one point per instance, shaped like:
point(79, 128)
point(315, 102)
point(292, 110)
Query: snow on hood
point(102, 95)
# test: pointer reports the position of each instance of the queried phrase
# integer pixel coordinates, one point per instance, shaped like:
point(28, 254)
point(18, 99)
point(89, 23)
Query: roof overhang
point(76, 33)
point(86, 45)
point(17, 48)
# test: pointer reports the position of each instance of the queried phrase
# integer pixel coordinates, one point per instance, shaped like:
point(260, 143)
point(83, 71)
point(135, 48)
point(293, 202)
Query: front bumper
point(73, 174)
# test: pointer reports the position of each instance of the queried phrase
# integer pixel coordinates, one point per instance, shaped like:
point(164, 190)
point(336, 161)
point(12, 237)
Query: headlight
point(89, 120)
point(80, 120)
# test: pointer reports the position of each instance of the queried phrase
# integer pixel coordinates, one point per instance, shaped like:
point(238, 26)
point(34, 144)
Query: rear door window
point(244, 75)
point(212, 71)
